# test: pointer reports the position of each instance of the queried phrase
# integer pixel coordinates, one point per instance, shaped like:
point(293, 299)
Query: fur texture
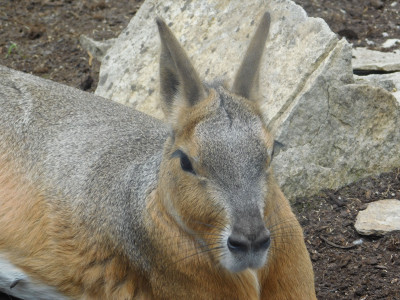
point(102, 202)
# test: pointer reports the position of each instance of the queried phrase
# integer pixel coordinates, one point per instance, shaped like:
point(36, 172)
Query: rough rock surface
point(380, 217)
point(335, 131)
point(365, 59)
point(215, 39)
point(389, 81)
point(385, 64)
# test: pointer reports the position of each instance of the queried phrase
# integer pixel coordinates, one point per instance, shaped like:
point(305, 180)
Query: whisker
point(286, 239)
point(196, 254)
point(223, 226)
point(282, 222)
point(280, 251)
point(180, 241)
point(284, 230)
point(280, 242)
point(274, 216)
point(276, 209)
point(202, 223)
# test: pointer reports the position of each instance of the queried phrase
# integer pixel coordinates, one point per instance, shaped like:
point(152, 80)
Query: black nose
point(238, 242)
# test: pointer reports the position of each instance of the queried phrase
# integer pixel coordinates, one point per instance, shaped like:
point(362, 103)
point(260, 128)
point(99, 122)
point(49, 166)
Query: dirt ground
point(42, 37)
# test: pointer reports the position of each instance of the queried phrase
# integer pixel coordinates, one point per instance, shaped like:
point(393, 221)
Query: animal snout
point(242, 243)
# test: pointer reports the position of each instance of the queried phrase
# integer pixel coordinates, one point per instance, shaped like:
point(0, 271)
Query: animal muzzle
point(246, 248)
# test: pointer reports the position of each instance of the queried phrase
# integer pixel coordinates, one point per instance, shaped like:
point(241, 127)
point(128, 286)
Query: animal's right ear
point(177, 74)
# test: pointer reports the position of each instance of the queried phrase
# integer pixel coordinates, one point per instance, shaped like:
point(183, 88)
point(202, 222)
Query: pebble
point(376, 3)
point(369, 42)
point(379, 218)
point(390, 43)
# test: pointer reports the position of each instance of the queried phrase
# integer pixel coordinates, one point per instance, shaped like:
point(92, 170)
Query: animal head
point(217, 160)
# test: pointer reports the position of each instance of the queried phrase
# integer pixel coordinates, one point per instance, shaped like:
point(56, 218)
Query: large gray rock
point(215, 35)
point(380, 217)
point(335, 131)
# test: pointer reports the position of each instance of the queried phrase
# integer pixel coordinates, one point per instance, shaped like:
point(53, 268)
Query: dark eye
point(186, 165)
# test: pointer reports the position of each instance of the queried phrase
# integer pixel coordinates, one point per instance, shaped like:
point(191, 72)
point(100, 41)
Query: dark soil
point(344, 270)
point(42, 37)
point(364, 23)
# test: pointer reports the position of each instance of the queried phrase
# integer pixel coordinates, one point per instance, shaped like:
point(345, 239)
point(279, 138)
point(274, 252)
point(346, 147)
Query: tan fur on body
point(53, 246)
point(181, 231)
point(102, 274)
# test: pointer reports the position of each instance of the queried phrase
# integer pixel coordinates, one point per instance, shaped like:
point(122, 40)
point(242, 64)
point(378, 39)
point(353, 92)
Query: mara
point(99, 201)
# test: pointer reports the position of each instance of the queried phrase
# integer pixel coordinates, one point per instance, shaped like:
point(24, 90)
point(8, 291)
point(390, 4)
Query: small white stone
point(379, 218)
point(385, 34)
point(358, 242)
point(390, 43)
point(393, 4)
point(369, 42)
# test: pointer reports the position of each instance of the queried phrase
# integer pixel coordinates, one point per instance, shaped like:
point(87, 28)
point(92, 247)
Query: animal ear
point(177, 74)
point(247, 79)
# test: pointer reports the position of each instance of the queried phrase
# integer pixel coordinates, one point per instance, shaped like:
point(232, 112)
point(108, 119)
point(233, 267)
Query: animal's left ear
point(278, 146)
point(247, 79)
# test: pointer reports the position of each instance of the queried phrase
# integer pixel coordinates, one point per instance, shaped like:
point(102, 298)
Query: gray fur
point(235, 156)
point(100, 155)
point(231, 147)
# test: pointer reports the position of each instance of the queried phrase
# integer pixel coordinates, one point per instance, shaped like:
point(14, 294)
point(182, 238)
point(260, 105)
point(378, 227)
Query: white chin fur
point(237, 263)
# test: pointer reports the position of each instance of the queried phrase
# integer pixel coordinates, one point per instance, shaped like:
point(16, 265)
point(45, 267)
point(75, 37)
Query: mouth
point(238, 263)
